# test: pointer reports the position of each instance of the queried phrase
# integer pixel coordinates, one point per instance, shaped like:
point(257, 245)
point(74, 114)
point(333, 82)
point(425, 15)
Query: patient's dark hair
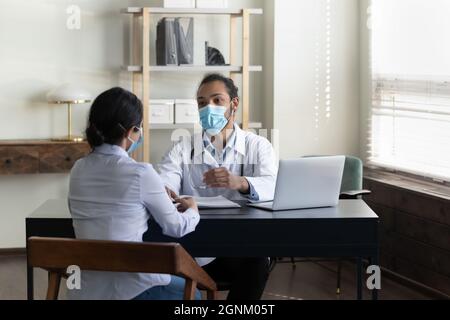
point(229, 84)
point(112, 114)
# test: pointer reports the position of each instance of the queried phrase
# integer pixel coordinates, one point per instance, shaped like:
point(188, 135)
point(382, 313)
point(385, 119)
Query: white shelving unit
point(141, 70)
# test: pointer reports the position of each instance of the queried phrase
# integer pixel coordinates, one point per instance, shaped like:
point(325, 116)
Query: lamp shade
point(69, 93)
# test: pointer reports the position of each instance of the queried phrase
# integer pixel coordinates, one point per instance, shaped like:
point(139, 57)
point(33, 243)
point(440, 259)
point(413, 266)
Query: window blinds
point(411, 126)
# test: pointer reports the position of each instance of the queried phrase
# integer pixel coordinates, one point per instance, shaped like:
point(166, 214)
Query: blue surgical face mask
point(212, 119)
point(135, 144)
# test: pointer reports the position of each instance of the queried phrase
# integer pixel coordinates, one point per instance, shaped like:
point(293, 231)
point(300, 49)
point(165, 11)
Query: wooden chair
point(55, 255)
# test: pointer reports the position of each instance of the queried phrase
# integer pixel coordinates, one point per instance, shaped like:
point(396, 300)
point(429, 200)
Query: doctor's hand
point(222, 178)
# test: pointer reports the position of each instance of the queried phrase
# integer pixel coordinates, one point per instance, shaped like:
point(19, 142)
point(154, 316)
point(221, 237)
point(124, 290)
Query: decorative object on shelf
point(162, 111)
point(70, 95)
point(213, 56)
point(184, 4)
point(212, 4)
point(175, 41)
point(186, 111)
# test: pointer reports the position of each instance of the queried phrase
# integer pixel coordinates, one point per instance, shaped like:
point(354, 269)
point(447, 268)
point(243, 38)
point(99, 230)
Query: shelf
point(252, 125)
point(189, 68)
point(156, 10)
point(40, 156)
point(38, 142)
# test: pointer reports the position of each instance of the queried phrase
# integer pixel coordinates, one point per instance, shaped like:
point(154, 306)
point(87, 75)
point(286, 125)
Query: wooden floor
point(308, 281)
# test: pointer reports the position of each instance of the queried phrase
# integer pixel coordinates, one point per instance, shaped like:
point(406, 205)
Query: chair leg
point(54, 280)
point(339, 269)
point(189, 289)
point(272, 264)
point(293, 263)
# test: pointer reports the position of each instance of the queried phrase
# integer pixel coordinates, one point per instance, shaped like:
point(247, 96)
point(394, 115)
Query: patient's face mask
point(135, 144)
point(213, 120)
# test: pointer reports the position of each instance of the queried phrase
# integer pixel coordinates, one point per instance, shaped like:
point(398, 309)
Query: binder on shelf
point(184, 31)
point(175, 41)
point(166, 43)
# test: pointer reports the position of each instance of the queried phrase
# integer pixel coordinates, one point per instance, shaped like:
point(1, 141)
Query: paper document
point(219, 202)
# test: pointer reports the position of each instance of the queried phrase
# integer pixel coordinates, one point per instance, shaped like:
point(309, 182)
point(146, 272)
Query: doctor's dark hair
point(233, 91)
point(112, 114)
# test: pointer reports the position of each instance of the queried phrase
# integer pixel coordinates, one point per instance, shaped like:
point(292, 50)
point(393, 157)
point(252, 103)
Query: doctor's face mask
point(214, 101)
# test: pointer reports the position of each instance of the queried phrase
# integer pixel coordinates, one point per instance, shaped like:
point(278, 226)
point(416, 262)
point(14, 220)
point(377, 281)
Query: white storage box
point(162, 111)
point(212, 4)
point(186, 111)
point(179, 4)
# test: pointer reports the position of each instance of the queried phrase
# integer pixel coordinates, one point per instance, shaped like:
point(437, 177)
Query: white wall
point(299, 29)
point(269, 29)
point(38, 52)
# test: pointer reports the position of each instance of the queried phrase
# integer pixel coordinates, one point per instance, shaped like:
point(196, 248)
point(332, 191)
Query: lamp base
point(69, 139)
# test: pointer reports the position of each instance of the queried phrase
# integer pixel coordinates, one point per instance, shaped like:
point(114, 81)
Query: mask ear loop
point(140, 135)
point(232, 112)
point(128, 137)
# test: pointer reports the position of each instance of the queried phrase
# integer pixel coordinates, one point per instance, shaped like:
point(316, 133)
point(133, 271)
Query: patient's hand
point(172, 195)
point(186, 203)
point(222, 178)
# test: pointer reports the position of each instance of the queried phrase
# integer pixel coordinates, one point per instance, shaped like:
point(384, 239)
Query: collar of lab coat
point(239, 144)
point(109, 149)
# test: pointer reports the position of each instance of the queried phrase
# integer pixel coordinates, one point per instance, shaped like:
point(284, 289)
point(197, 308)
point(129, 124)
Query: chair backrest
point(353, 174)
point(55, 255)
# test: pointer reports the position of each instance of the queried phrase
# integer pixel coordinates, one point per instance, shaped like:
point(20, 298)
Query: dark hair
point(229, 84)
point(112, 114)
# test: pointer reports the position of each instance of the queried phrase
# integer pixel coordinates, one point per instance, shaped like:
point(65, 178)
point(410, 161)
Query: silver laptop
point(307, 183)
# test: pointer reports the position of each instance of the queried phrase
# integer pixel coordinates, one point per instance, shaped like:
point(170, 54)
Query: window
point(410, 114)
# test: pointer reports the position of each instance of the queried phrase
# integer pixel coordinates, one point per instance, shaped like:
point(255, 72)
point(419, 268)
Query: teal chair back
point(352, 178)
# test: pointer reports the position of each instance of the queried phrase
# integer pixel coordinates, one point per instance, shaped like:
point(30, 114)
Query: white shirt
point(246, 154)
point(112, 197)
point(183, 166)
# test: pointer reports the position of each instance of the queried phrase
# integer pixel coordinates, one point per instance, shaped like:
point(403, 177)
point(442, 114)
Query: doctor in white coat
point(224, 160)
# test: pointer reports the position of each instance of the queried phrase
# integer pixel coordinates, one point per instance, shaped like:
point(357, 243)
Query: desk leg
point(30, 284)
point(359, 278)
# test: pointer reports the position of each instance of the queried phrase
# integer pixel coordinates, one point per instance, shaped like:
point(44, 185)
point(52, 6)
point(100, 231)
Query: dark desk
point(348, 231)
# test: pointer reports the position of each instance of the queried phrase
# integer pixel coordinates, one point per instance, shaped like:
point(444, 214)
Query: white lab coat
point(183, 167)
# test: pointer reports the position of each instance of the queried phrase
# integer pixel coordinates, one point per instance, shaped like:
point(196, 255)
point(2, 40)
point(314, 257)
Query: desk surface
point(347, 209)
